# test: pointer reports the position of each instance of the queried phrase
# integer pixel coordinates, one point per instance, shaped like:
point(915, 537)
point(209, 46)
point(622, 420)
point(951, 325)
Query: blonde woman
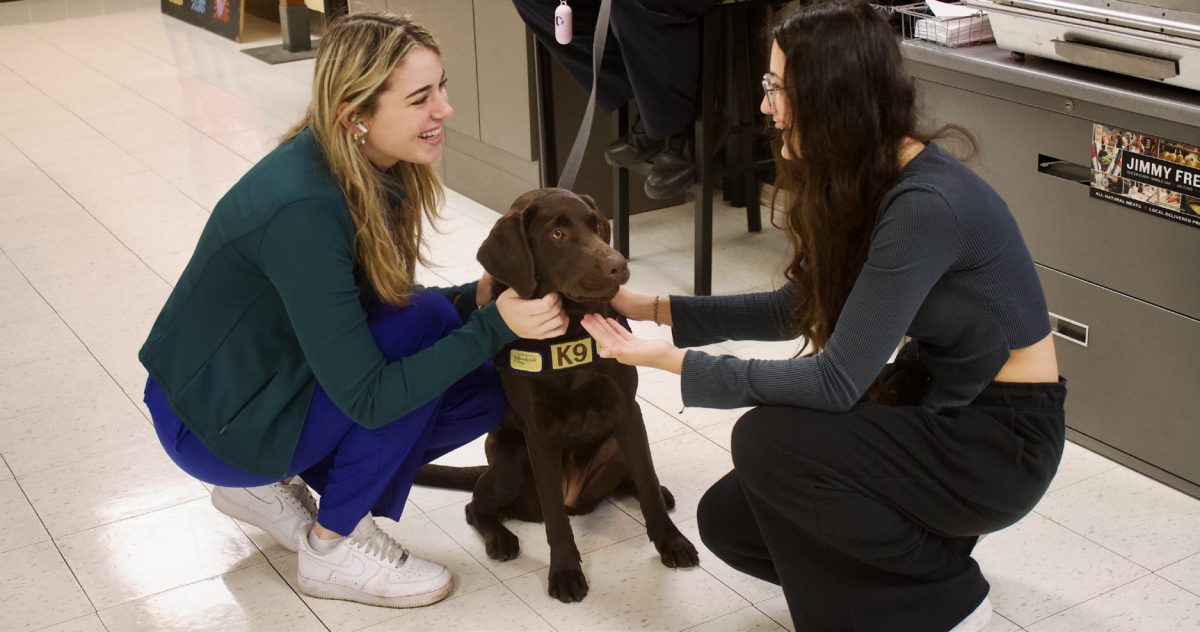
point(296, 350)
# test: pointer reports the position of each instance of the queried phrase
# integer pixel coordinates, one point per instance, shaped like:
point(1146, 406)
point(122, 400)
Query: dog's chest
point(577, 407)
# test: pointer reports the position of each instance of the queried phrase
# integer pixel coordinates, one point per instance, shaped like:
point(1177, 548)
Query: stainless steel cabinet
point(1126, 284)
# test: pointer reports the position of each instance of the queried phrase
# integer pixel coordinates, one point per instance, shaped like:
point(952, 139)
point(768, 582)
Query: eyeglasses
point(769, 86)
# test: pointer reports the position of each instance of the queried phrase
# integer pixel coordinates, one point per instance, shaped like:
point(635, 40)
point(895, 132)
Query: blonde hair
point(355, 59)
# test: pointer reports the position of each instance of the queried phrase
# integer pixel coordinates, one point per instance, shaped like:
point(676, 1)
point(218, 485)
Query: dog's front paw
point(502, 544)
point(568, 585)
point(678, 552)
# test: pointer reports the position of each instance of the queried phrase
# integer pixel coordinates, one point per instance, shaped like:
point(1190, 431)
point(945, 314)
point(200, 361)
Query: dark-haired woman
point(864, 512)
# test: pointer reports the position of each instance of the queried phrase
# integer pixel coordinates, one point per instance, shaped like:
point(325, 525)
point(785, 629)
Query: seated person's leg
point(613, 87)
point(660, 40)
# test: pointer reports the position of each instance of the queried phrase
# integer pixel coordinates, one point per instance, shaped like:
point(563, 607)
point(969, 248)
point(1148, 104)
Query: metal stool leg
point(704, 156)
point(547, 140)
point(746, 116)
point(620, 211)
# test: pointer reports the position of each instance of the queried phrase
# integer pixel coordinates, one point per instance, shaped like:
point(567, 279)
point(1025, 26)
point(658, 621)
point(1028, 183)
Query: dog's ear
point(602, 226)
point(505, 254)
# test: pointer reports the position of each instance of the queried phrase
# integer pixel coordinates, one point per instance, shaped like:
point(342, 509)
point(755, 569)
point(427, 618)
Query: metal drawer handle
point(1120, 61)
point(1069, 330)
point(1063, 169)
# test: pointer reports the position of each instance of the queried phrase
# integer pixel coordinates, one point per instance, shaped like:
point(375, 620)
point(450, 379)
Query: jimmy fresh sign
point(1148, 173)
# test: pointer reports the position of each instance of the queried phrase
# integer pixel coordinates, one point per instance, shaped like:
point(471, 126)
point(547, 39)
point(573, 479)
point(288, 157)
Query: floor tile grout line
point(53, 543)
point(190, 583)
point(1084, 479)
point(142, 96)
point(773, 619)
point(1089, 599)
point(527, 604)
point(73, 461)
point(625, 541)
point(1137, 564)
point(723, 614)
point(74, 333)
point(274, 568)
point(1175, 583)
point(637, 536)
point(63, 536)
point(81, 204)
point(460, 546)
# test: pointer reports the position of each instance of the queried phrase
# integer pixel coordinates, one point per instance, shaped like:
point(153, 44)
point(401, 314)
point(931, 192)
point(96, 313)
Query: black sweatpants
point(652, 54)
point(867, 519)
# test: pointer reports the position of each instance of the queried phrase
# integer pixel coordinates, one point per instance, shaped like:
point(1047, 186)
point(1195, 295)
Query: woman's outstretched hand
point(536, 318)
point(618, 343)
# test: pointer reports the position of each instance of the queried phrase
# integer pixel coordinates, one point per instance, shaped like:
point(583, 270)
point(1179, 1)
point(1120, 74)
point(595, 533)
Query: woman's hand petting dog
point(618, 343)
point(536, 319)
point(483, 290)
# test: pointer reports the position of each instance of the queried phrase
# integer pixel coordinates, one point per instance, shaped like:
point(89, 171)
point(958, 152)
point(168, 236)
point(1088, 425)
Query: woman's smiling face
point(409, 113)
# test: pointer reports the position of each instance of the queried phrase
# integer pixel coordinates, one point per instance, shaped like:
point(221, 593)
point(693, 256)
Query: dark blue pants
point(652, 54)
point(357, 470)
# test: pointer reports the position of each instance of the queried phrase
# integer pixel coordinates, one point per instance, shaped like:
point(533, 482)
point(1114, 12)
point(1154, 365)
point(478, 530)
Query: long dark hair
point(851, 104)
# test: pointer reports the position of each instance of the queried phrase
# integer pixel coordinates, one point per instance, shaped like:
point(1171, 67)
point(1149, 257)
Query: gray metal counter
point(1160, 101)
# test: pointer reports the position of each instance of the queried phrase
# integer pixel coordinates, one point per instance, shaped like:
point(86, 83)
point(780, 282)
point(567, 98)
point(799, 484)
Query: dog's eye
point(557, 234)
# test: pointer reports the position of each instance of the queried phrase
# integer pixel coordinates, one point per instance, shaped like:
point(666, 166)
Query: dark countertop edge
point(987, 60)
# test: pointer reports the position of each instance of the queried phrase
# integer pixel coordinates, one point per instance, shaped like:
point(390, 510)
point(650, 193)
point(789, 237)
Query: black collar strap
point(534, 357)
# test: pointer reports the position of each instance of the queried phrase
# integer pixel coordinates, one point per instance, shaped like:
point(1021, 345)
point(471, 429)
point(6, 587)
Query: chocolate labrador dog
point(573, 434)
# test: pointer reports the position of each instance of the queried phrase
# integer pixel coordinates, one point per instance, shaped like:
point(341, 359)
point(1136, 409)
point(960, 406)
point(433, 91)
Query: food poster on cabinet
point(1151, 174)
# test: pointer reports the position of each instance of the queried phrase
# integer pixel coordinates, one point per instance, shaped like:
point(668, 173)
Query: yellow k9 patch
point(565, 355)
point(528, 361)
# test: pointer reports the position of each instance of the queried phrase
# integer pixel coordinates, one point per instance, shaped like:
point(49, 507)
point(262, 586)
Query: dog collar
point(533, 357)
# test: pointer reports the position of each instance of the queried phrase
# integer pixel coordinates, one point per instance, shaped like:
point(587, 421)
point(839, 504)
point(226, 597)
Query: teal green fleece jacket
point(268, 306)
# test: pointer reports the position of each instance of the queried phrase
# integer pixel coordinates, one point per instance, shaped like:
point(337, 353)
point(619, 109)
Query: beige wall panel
point(484, 183)
point(452, 22)
point(520, 168)
point(506, 114)
point(357, 6)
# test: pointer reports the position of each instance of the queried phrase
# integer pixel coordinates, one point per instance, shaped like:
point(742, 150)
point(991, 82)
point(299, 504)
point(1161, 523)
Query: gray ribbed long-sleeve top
point(947, 266)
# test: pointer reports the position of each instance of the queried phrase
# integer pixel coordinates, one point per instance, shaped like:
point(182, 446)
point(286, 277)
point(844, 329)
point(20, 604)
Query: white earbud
point(563, 23)
point(362, 128)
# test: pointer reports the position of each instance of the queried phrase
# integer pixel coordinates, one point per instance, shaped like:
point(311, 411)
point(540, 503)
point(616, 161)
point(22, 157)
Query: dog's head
point(552, 240)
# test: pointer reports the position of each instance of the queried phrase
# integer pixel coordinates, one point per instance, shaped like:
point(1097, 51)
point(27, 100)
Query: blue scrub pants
point(357, 470)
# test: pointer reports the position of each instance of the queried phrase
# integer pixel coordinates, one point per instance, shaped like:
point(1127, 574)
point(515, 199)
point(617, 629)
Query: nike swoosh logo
point(272, 504)
point(359, 569)
point(355, 573)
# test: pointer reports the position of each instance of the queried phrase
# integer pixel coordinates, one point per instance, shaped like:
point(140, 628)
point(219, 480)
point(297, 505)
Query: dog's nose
point(615, 265)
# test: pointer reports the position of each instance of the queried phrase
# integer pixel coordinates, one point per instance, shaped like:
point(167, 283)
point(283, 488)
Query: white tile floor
point(119, 129)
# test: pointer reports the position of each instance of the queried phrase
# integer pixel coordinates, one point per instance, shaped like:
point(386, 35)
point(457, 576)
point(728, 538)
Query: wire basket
point(917, 22)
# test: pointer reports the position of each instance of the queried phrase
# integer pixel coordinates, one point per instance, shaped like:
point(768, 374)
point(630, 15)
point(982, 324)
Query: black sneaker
point(674, 168)
point(633, 148)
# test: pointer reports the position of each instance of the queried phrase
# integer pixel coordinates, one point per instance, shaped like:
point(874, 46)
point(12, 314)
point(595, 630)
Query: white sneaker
point(369, 567)
point(284, 510)
point(977, 620)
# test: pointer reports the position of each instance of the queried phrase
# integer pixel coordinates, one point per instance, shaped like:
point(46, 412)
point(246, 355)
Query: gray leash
point(571, 168)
